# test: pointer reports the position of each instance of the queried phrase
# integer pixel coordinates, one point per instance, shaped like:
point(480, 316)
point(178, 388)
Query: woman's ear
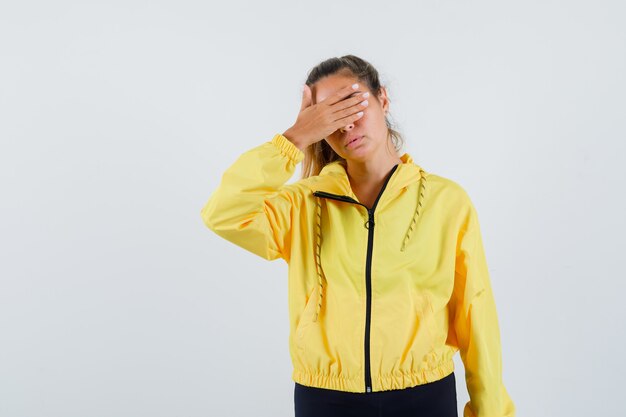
point(384, 100)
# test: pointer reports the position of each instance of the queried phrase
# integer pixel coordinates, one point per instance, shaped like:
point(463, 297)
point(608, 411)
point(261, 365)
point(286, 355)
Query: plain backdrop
point(117, 119)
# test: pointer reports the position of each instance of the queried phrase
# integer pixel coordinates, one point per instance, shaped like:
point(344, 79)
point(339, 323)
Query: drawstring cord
point(318, 264)
point(420, 198)
point(318, 238)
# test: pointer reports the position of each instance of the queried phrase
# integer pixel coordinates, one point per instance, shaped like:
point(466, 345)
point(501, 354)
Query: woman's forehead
point(331, 85)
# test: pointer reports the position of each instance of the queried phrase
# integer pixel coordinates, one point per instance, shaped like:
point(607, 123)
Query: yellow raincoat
point(379, 298)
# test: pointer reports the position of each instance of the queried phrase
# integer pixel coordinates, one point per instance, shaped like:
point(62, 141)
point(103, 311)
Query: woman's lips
point(354, 142)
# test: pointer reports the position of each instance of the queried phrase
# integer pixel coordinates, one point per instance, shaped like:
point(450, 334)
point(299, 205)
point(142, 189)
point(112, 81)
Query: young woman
point(387, 272)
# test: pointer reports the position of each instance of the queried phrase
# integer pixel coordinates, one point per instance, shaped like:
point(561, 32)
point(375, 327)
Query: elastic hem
point(381, 383)
point(287, 148)
point(407, 380)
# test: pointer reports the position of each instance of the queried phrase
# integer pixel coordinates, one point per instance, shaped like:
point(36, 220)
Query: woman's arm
point(252, 207)
point(476, 326)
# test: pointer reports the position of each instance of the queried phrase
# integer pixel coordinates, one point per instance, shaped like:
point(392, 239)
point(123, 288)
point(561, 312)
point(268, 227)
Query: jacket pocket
point(306, 318)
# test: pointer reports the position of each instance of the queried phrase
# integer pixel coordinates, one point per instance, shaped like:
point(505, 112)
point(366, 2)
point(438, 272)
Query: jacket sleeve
point(476, 326)
point(252, 207)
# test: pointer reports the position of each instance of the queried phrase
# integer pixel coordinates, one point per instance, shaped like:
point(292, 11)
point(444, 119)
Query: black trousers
point(433, 399)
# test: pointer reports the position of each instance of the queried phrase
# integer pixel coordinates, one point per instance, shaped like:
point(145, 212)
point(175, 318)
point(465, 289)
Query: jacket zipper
point(368, 267)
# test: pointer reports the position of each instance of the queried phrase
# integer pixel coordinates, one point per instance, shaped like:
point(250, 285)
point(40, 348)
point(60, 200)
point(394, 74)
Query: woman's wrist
point(293, 138)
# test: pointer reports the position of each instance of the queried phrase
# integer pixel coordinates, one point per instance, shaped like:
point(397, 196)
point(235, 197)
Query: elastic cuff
point(287, 148)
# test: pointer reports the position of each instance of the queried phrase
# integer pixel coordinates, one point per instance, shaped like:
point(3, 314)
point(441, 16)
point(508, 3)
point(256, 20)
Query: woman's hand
point(316, 121)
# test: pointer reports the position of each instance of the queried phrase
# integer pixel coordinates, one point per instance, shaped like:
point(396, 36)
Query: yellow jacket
point(379, 299)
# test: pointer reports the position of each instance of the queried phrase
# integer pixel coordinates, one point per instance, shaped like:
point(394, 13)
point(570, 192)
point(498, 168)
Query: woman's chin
point(360, 153)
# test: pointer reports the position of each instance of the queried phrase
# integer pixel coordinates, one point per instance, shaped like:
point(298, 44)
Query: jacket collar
point(333, 177)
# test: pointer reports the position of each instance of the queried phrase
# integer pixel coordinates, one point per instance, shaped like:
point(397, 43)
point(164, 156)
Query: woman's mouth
point(354, 142)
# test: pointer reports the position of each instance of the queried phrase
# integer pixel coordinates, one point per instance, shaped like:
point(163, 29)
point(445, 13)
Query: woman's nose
point(347, 127)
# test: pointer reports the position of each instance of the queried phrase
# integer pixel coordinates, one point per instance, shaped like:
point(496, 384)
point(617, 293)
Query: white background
point(117, 119)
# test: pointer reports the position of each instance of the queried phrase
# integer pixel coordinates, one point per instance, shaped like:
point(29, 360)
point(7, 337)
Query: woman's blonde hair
point(317, 155)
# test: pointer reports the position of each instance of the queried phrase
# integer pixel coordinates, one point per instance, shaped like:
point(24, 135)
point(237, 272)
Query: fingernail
point(355, 86)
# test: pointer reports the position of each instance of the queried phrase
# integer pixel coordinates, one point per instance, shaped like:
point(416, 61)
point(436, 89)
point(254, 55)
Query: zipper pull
point(370, 219)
